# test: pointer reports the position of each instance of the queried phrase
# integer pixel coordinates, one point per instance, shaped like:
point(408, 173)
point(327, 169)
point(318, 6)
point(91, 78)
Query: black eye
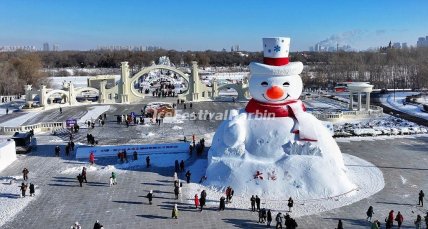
point(286, 84)
point(264, 83)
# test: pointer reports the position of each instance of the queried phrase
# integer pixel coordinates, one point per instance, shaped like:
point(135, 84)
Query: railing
point(374, 111)
point(39, 127)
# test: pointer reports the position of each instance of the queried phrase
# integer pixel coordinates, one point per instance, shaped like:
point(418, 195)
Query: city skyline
point(214, 25)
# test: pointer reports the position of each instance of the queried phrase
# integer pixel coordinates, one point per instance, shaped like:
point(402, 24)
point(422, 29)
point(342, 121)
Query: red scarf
point(280, 110)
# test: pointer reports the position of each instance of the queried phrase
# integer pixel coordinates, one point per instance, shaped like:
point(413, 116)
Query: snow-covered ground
point(10, 197)
point(367, 177)
point(397, 104)
point(19, 120)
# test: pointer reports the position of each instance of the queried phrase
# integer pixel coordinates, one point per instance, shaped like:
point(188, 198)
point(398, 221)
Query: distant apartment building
point(396, 45)
point(45, 47)
point(55, 47)
point(14, 48)
point(422, 42)
point(318, 47)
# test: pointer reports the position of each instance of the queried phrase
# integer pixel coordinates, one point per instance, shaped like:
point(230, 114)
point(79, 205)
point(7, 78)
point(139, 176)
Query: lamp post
point(393, 78)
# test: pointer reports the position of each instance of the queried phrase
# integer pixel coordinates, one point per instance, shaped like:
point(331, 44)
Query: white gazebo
point(359, 88)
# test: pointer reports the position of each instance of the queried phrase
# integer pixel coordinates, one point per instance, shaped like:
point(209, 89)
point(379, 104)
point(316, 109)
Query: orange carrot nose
point(275, 92)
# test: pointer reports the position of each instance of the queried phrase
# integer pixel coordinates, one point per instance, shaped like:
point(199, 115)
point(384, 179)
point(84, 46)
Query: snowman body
point(273, 146)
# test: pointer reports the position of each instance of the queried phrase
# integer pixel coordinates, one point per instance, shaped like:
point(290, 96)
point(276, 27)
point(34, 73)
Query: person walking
point(60, 110)
point(84, 174)
point(278, 219)
point(222, 203)
point(370, 213)
point(196, 201)
point(23, 188)
point(188, 174)
point(426, 220)
point(150, 196)
point(177, 166)
point(421, 198)
point(57, 151)
point(418, 222)
point(32, 190)
point(80, 179)
point(339, 224)
point(258, 202)
point(390, 220)
point(114, 177)
point(176, 191)
point(92, 158)
point(182, 166)
point(290, 204)
point(269, 218)
point(253, 203)
point(148, 161)
point(175, 211)
point(399, 218)
point(25, 173)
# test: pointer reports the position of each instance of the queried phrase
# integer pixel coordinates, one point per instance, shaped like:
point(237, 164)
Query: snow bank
point(368, 180)
point(18, 121)
point(7, 154)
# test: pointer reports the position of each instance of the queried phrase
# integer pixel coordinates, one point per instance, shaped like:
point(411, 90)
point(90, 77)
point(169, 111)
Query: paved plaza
point(61, 202)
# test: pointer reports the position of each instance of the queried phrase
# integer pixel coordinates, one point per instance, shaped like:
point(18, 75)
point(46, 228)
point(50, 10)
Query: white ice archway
point(238, 88)
point(151, 68)
point(52, 92)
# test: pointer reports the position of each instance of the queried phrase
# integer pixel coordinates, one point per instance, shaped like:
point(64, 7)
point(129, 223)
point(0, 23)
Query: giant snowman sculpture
point(273, 146)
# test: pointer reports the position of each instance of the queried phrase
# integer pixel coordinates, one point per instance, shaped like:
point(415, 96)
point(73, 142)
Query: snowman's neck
point(279, 110)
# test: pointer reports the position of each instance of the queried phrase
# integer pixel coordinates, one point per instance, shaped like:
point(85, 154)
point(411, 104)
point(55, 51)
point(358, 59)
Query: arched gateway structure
point(125, 92)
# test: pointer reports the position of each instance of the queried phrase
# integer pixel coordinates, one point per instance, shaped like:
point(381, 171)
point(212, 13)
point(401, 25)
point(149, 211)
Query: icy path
point(93, 113)
point(368, 178)
point(19, 120)
point(388, 100)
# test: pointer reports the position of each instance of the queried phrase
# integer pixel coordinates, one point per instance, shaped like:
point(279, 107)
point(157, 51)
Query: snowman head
point(276, 80)
point(275, 89)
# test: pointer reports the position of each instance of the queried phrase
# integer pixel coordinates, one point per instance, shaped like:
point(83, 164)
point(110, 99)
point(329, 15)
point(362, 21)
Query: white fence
point(39, 127)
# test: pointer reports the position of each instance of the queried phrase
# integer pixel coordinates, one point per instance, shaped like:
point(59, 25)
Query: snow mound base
point(368, 180)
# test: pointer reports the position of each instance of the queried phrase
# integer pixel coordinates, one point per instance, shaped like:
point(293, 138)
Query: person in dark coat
point(258, 202)
point(290, 204)
point(176, 191)
point(84, 174)
point(399, 218)
point(177, 166)
point(80, 179)
point(253, 203)
point(23, 189)
point(182, 166)
point(339, 224)
point(25, 173)
point(32, 189)
point(188, 174)
point(72, 145)
point(67, 149)
point(222, 203)
point(421, 198)
point(390, 220)
point(148, 161)
point(57, 151)
point(278, 219)
point(150, 196)
point(98, 225)
point(370, 213)
point(269, 218)
point(135, 155)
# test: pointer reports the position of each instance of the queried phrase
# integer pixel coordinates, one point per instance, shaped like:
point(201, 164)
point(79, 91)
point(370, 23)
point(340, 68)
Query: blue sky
point(210, 24)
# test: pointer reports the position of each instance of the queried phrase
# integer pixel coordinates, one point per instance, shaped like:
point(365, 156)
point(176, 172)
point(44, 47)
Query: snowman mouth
point(288, 95)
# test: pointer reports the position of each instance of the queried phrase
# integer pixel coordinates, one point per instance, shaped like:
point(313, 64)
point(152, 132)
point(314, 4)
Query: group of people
point(24, 187)
point(91, 139)
point(97, 225)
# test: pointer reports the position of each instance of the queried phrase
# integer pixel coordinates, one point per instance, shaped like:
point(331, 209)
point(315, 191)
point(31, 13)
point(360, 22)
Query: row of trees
point(19, 70)
point(389, 68)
